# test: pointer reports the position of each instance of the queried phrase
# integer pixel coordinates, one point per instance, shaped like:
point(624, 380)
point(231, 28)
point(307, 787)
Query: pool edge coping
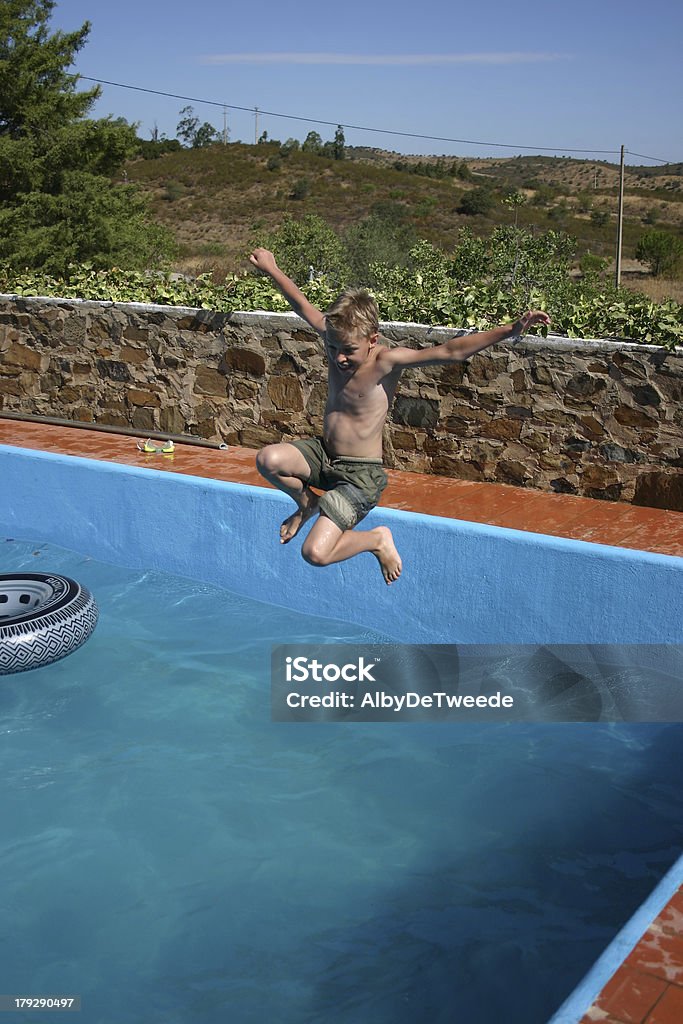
point(588, 990)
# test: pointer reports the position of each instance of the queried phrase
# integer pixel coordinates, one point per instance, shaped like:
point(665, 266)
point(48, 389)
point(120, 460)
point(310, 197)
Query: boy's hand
point(263, 260)
point(530, 319)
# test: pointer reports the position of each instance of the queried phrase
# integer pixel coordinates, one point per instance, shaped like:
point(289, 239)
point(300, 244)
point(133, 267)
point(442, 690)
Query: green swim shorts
point(353, 486)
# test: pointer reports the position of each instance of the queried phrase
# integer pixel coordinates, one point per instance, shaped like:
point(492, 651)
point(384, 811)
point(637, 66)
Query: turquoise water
point(171, 855)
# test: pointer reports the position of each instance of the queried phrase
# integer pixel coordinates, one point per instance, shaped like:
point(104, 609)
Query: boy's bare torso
point(357, 406)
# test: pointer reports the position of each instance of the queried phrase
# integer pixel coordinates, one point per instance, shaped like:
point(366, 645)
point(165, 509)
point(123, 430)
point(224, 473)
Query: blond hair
point(354, 310)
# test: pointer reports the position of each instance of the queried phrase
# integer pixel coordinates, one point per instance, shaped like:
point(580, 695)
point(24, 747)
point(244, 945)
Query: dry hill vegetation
point(218, 199)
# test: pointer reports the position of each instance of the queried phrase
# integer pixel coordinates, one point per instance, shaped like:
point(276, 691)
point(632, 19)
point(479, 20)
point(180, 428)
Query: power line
point(355, 127)
point(657, 159)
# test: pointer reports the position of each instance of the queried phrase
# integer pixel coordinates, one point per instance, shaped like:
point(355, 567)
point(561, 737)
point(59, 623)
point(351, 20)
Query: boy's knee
point(313, 553)
point(267, 460)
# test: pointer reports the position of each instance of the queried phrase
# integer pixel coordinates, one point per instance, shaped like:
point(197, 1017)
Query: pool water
point(170, 854)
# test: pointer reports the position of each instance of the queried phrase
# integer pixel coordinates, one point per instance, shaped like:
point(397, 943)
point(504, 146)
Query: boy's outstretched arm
point(456, 350)
point(264, 260)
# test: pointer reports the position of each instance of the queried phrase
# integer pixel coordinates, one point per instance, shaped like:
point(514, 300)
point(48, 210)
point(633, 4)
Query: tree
point(57, 200)
point(513, 200)
point(194, 135)
point(339, 144)
point(312, 143)
point(186, 129)
point(661, 251)
point(205, 135)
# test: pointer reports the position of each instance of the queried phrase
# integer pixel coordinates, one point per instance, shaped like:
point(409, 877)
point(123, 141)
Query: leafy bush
point(592, 265)
point(513, 258)
point(87, 221)
point(661, 251)
point(477, 201)
point(153, 149)
point(300, 189)
point(485, 282)
point(600, 218)
point(174, 190)
point(309, 242)
point(382, 238)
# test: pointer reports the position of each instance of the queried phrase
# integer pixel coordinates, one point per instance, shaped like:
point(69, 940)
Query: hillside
point(218, 199)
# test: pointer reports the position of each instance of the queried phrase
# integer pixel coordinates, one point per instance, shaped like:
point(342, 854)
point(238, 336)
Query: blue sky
point(580, 75)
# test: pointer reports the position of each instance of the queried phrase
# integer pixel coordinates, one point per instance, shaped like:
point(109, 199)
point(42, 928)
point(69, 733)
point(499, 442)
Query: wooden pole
point(620, 221)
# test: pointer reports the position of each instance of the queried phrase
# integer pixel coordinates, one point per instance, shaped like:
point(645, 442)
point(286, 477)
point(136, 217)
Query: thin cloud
point(381, 60)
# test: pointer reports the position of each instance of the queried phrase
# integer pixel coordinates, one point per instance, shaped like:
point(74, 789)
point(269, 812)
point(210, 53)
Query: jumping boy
point(346, 462)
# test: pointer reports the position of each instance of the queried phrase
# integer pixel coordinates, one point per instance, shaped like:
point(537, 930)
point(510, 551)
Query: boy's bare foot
point(293, 523)
point(387, 555)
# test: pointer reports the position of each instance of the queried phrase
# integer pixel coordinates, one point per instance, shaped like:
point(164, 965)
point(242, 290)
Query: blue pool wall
point(462, 582)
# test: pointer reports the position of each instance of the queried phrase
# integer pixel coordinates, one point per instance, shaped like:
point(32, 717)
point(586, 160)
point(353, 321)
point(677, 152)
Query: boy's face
point(349, 351)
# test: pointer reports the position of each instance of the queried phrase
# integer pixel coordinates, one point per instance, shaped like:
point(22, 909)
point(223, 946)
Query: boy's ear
point(372, 339)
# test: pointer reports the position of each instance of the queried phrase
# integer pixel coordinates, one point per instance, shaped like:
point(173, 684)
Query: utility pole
point(225, 125)
point(255, 125)
point(620, 221)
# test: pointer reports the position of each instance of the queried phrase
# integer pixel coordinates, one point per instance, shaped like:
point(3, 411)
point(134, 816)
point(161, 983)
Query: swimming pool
point(374, 873)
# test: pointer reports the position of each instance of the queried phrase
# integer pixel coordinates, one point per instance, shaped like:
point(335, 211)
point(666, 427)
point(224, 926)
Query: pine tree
point(58, 204)
point(339, 144)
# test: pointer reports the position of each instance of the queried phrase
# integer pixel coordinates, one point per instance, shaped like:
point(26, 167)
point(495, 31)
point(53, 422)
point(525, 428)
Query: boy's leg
point(285, 467)
point(327, 543)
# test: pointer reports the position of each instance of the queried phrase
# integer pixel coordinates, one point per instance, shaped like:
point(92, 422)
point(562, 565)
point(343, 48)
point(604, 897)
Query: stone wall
point(594, 418)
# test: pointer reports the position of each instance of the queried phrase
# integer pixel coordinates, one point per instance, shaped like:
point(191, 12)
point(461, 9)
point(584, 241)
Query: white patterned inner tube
point(42, 619)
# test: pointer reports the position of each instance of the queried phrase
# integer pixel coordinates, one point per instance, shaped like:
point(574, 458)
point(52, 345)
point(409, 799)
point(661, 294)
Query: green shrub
point(174, 190)
point(300, 189)
point(600, 218)
point(661, 251)
point(485, 282)
point(477, 201)
point(304, 243)
point(383, 237)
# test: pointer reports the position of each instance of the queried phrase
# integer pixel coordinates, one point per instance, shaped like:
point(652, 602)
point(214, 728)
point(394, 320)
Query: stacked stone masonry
point(600, 419)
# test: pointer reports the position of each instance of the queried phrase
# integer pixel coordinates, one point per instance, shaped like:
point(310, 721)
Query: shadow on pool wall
point(462, 582)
